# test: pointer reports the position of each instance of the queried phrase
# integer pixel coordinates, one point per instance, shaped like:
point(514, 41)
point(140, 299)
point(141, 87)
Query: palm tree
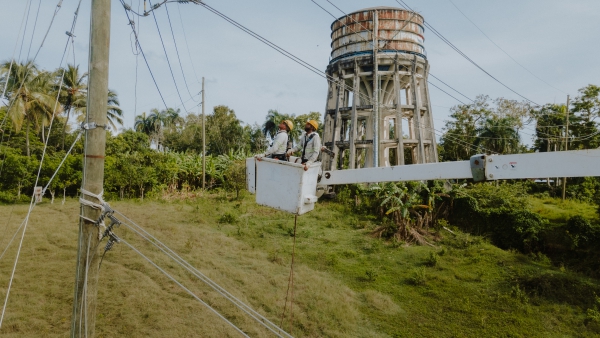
point(274, 118)
point(498, 135)
point(114, 112)
point(143, 124)
point(159, 120)
point(271, 125)
point(29, 98)
point(73, 93)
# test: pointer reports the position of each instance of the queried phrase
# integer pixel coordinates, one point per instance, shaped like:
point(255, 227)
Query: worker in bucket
point(310, 144)
point(278, 148)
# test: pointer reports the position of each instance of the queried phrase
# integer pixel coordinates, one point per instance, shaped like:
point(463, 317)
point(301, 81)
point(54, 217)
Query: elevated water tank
point(378, 111)
point(398, 30)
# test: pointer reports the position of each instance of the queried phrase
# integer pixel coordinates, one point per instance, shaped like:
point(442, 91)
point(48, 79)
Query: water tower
point(378, 111)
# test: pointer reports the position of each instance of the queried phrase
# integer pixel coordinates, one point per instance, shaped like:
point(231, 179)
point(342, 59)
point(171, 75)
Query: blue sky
point(558, 41)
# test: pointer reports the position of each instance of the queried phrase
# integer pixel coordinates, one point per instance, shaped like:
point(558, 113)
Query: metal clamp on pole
point(478, 167)
point(93, 125)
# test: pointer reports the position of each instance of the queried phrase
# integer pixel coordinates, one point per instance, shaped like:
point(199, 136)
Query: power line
point(137, 41)
point(58, 6)
point(167, 56)
point(439, 35)
point(12, 59)
point(186, 43)
point(495, 44)
point(177, 50)
point(282, 51)
point(31, 204)
point(398, 51)
point(184, 288)
point(34, 26)
point(445, 92)
point(26, 24)
point(447, 85)
point(191, 269)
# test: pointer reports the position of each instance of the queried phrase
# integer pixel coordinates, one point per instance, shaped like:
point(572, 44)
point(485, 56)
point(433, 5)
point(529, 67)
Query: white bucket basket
point(283, 185)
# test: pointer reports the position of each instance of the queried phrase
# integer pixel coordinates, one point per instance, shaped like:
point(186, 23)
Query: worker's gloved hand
point(307, 164)
point(259, 157)
point(289, 153)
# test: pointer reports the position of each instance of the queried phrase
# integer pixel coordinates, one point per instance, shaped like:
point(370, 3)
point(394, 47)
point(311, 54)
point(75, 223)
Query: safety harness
point(306, 140)
point(281, 157)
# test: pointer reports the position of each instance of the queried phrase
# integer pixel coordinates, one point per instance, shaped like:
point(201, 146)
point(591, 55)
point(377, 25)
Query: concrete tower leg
point(418, 125)
point(398, 104)
point(353, 117)
point(430, 131)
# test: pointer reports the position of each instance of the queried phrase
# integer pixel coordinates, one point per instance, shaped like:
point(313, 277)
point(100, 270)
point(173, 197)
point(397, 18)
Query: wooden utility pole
point(84, 306)
point(564, 187)
point(203, 140)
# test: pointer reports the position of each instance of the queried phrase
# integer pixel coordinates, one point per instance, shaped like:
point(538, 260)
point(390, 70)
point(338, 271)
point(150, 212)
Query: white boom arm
point(578, 163)
point(286, 186)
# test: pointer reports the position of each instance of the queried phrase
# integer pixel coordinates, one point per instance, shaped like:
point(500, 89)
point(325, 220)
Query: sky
point(556, 41)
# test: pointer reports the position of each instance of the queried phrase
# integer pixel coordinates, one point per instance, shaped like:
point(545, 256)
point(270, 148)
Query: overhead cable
point(503, 51)
point(282, 51)
point(34, 27)
point(439, 35)
point(399, 52)
point(137, 40)
point(58, 6)
point(191, 269)
point(12, 59)
point(29, 2)
point(186, 43)
point(185, 289)
point(177, 51)
point(167, 56)
point(31, 203)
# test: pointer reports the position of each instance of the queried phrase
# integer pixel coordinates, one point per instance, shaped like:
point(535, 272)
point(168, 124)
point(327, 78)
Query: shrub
point(228, 218)
point(432, 260)
point(417, 277)
point(502, 214)
point(581, 232)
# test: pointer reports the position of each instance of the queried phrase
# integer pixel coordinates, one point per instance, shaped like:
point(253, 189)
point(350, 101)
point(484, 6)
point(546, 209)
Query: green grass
point(347, 283)
point(558, 211)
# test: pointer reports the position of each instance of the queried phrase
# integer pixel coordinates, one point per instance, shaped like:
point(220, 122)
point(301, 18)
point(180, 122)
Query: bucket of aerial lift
point(283, 185)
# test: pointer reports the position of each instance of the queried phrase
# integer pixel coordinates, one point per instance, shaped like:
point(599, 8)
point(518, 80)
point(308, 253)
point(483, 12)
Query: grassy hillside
point(347, 284)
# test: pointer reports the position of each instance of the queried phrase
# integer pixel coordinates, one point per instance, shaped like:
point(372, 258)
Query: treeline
point(161, 154)
point(504, 126)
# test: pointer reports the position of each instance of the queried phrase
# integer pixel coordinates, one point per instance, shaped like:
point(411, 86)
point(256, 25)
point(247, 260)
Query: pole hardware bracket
point(478, 167)
point(93, 125)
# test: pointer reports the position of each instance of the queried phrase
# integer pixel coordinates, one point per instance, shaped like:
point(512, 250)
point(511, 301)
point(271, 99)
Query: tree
point(584, 128)
point(588, 103)
point(498, 135)
point(460, 132)
point(549, 130)
point(73, 92)
point(274, 118)
point(224, 131)
point(271, 124)
point(143, 124)
point(29, 98)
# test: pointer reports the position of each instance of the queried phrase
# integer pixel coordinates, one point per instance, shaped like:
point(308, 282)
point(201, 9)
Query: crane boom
point(578, 163)
point(287, 186)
